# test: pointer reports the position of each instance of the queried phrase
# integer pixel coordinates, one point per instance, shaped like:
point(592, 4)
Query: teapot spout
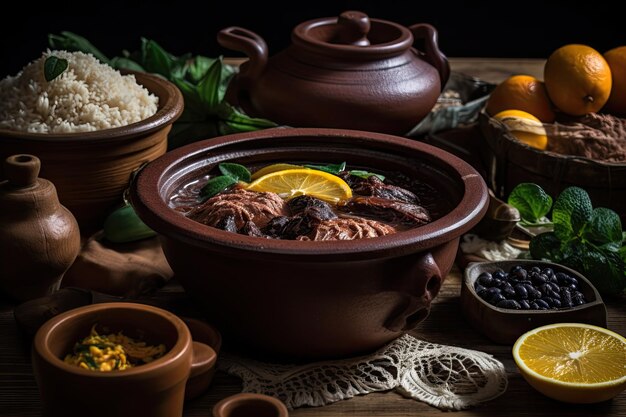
point(251, 44)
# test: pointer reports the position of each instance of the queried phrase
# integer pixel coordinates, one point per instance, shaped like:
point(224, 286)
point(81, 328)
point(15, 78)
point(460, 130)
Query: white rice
point(88, 96)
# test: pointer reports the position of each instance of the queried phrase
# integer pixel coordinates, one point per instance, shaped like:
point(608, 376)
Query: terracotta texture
point(156, 389)
point(38, 236)
point(311, 299)
point(92, 169)
point(349, 72)
point(250, 405)
point(504, 325)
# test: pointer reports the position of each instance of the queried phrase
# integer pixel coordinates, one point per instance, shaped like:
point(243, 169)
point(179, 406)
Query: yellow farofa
point(112, 352)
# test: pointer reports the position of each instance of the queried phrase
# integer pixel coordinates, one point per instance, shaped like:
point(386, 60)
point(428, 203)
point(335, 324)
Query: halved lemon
point(524, 127)
point(573, 362)
point(274, 168)
point(291, 183)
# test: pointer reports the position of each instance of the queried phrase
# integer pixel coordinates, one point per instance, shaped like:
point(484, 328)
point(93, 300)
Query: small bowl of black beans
point(505, 299)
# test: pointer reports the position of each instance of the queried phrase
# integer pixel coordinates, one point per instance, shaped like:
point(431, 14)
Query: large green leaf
point(546, 246)
point(603, 227)
point(155, 59)
point(208, 87)
point(531, 200)
point(73, 42)
point(571, 212)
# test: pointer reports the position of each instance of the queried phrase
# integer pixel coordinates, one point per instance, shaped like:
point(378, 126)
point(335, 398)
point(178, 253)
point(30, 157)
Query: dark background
point(478, 29)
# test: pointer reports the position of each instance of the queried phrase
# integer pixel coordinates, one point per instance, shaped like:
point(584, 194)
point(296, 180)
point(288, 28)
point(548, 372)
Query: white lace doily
point(446, 377)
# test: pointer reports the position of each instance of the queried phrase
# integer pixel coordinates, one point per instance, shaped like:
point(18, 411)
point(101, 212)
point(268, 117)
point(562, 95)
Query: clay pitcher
point(39, 238)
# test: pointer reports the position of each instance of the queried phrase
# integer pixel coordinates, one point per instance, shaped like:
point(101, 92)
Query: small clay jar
point(250, 405)
point(38, 236)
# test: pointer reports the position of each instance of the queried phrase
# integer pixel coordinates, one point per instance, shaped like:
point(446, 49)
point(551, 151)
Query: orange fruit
point(521, 92)
point(578, 79)
point(292, 183)
point(573, 362)
point(616, 58)
point(524, 127)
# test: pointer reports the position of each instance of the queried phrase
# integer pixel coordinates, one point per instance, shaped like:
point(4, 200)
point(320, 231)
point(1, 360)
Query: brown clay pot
point(250, 405)
point(349, 72)
point(92, 169)
point(155, 389)
point(311, 299)
point(38, 236)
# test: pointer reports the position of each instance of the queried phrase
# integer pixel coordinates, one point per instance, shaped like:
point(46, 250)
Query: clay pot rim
point(224, 406)
point(301, 37)
point(170, 359)
point(153, 210)
point(170, 108)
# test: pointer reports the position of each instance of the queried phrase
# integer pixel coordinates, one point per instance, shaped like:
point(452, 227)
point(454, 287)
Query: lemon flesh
point(292, 183)
point(573, 362)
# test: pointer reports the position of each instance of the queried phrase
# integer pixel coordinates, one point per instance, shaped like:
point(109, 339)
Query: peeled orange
point(521, 92)
point(616, 58)
point(578, 79)
point(573, 362)
point(292, 183)
point(525, 127)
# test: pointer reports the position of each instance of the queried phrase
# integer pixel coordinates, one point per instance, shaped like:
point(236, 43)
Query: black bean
point(578, 298)
point(521, 291)
point(484, 279)
point(534, 306)
point(524, 304)
point(496, 299)
point(535, 269)
point(507, 290)
point(520, 274)
point(478, 288)
point(544, 288)
point(499, 274)
point(566, 297)
point(539, 279)
point(556, 303)
point(542, 303)
point(497, 282)
point(554, 286)
point(549, 272)
point(549, 301)
point(562, 278)
point(516, 268)
point(532, 292)
point(510, 304)
point(554, 294)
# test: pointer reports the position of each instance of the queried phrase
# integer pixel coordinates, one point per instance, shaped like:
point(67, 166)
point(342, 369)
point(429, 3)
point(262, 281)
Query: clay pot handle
point(248, 404)
point(204, 358)
point(353, 28)
point(432, 54)
point(251, 44)
point(22, 170)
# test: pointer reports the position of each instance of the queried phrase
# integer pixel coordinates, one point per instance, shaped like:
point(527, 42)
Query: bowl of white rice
point(91, 127)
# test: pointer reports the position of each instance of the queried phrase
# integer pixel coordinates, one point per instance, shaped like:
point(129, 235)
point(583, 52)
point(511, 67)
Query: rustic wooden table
point(446, 325)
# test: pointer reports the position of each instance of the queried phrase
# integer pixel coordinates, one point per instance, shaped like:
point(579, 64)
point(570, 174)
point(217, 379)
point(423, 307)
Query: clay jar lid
point(352, 35)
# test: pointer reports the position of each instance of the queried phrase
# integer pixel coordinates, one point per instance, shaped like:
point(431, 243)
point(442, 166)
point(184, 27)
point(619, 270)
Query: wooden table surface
point(446, 325)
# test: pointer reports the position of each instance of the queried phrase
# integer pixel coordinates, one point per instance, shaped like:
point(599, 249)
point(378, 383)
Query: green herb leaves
point(532, 202)
point(232, 174)
point(586, 239)
point(202, 80)
point(53, 67)
point(336, 169)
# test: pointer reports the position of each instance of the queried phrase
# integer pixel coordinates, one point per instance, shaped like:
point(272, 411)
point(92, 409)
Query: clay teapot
point(349, 72)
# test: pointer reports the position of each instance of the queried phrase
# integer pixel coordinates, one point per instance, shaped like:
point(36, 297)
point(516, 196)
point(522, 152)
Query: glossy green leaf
point(366, 174)
point(546, 246)
point(603, 227)
point(330, 168)
point(216, 185)
point(53, 67)
point(236, 171)
point(123, 225)
point(531, 200)
point(72, 42)
point(571, 212)
point(120, 62)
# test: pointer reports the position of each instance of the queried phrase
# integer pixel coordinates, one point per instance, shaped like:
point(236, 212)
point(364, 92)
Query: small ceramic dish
point(155, 389)
point(505, 325)
point(250, 405)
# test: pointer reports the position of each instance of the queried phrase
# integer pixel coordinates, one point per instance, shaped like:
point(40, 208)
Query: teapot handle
point(248, 42)
point(432, 54)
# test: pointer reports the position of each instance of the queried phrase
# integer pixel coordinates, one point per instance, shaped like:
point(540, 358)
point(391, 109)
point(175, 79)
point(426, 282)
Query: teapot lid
point(352, 34)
